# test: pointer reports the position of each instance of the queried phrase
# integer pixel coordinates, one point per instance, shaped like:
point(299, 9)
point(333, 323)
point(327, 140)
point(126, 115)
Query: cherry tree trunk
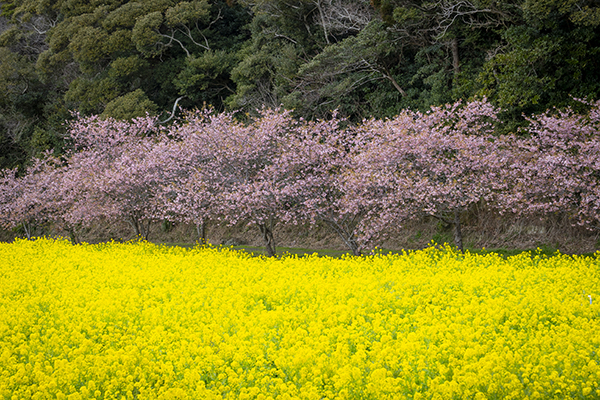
point(201, 230)
point(353, 246)
point(269, 240)
point(457, 232)
point(135, 225)
point(140, 228)
point(346, 235)
point(28, 228)
point(145, 229)
point(73, 235)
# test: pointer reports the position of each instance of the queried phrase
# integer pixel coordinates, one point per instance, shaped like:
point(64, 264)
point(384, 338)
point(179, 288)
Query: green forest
point(123, 59)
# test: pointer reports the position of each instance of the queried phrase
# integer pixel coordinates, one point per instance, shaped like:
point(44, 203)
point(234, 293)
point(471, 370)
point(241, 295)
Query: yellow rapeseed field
point(139, 321)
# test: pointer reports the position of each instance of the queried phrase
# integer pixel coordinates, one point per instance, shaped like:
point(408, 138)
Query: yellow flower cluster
point(139, 321)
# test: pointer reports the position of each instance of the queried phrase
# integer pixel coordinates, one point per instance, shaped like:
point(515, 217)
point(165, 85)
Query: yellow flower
point(138, 320)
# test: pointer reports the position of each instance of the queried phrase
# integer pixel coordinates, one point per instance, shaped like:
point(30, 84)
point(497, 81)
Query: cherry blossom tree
point(372, 186)
point(254, 186)
point(8, 181)
point(224, 170)
point(113, 173)
point(272, 169)
point(362, 181)
point(435, 164)
point(556, 166)
point(27, 201)
point(199, 153)
point(313, 172)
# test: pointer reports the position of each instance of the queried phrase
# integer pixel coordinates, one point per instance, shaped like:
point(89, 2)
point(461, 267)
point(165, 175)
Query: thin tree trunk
point(325, 33)
point(267, 234)
point(455, 56)
point(146, 229)
point(457, 232)
point(73, 235)
point(135, 225)
point(141, 229)
point(346, 236)
point(27, 229)
point(201, 230)
point(389, 77)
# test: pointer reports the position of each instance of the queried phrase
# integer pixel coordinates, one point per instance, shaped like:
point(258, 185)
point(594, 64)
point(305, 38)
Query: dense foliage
point(364, 181)
point(115, 321)
point(123, 58)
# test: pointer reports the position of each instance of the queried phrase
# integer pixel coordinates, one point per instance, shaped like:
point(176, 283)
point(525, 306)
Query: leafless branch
point(278, 35)
point(343, 16)
point(172, 112)
point(173, 39)
point(41, 24)
point(188, 33)
point(218, 17)
point(467, 12)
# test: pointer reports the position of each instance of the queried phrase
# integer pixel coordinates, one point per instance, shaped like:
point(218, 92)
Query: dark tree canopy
point(124, 59)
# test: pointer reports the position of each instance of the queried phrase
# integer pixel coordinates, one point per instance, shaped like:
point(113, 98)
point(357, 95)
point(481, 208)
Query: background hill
point(366, 59)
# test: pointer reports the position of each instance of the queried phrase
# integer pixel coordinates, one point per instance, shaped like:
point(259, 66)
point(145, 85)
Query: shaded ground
point(481, 230)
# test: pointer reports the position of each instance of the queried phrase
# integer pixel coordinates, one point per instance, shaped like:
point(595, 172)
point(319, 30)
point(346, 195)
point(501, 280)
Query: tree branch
point(172, 112)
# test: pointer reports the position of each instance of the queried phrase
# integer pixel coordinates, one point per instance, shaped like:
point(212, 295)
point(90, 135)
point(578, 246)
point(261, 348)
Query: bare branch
point(188, 33)
point(343, 16)
point(278, 35)
point(467, 12)
point(172, 112)
point(172, 39)
point(218, 17)
point(41, 24)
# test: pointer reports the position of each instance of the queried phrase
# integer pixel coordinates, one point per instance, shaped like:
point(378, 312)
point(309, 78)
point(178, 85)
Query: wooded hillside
point(124, 59)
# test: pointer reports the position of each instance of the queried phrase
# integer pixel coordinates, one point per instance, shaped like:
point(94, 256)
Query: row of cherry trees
point(364, 181)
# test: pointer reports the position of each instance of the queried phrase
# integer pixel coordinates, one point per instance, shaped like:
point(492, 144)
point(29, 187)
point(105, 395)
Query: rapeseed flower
point(139, 321)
